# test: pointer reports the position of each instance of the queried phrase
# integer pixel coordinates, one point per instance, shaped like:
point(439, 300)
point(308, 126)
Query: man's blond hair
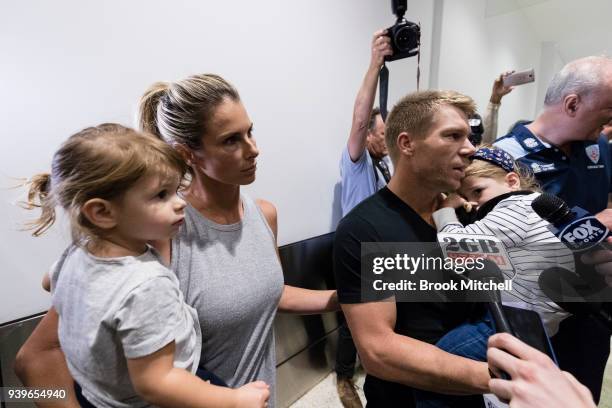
point(414, 114)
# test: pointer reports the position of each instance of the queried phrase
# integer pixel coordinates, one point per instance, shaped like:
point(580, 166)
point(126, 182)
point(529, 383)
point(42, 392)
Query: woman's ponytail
point(147, 108)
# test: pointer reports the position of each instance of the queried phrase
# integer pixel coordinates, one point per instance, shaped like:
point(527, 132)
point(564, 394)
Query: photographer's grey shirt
point(112, 309)
point(358, 179)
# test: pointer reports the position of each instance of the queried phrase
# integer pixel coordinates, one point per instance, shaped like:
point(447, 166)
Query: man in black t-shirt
point(427, 137)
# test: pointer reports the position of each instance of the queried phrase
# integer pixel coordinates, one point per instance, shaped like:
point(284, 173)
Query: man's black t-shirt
point(384, 217)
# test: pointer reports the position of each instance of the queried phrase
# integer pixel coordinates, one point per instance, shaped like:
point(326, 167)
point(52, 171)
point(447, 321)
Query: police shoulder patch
point(592, 153)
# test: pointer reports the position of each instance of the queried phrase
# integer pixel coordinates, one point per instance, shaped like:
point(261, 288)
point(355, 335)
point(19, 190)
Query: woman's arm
point(299, 300)
point(157, 381)
point(46, 282)
point(40, 362)
point(308, 301)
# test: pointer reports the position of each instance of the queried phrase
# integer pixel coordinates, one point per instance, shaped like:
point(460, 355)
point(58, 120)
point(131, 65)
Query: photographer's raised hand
point(381, 47)
point(499, 89)
point(489, 122)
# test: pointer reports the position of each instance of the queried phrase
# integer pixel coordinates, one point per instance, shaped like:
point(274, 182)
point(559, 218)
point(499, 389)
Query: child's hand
point(253, 395)
point(454, 200)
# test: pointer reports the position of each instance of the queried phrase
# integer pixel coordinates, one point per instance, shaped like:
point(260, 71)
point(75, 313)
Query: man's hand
point(602, 260)
point(605, 217)
point(536, 380)
point(499, 90)
point(381, 47)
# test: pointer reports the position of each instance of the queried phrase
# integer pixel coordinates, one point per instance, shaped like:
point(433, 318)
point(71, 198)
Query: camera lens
point(405, 39)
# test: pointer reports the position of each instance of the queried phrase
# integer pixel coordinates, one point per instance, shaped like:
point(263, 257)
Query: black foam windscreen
point(550, 207)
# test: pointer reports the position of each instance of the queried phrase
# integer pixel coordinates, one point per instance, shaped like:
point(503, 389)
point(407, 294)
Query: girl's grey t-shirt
point(111, 309)
point(231, 274)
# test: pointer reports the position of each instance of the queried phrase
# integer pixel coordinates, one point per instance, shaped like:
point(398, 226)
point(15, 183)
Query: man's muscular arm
point(393, 357)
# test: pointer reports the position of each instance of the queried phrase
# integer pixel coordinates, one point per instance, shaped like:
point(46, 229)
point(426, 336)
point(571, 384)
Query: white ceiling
point(578, 27)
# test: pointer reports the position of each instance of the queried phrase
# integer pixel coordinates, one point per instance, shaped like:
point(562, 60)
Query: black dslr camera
point(405, 35)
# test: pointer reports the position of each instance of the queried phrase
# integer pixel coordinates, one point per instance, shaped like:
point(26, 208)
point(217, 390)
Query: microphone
point(570, 292)
point(494, 257)
point(578, 229)
point(492, 273)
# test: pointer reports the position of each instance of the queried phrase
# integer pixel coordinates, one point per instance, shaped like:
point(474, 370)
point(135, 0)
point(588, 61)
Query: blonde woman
point(225, 255)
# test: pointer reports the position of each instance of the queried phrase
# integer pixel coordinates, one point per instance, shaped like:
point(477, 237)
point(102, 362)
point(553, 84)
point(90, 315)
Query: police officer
point(569, 156)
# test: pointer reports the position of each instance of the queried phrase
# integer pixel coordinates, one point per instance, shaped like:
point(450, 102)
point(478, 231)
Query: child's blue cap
point(496, 156)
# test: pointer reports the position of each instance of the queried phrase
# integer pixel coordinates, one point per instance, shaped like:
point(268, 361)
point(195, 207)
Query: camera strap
point(383, 90)
point(418, 69)
point(380, 165)
point(383, 86)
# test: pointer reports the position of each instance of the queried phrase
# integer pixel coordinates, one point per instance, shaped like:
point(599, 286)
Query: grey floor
point(606, 393)
point(324, 394)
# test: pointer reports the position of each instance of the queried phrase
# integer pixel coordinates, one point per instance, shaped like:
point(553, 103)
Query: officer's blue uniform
point(581, 179)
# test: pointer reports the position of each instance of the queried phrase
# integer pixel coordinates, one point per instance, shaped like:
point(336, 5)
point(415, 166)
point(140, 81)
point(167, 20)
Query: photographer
point(364, 166)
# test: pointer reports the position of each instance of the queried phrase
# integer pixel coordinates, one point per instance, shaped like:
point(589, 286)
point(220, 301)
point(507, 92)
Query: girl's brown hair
point(97, 162)
point(481, 168)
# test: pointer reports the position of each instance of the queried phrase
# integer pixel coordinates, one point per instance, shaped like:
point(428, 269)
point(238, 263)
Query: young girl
point(129, 338)
point(502, 193)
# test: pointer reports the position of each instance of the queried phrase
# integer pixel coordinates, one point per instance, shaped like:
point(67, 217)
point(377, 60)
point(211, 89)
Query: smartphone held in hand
point(520, 78)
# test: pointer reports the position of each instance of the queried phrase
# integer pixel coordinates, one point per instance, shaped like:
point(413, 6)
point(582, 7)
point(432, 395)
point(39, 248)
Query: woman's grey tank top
point(232, 276)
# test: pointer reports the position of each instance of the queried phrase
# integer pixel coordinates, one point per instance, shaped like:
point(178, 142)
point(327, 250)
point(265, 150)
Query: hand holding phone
point(520, 78)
